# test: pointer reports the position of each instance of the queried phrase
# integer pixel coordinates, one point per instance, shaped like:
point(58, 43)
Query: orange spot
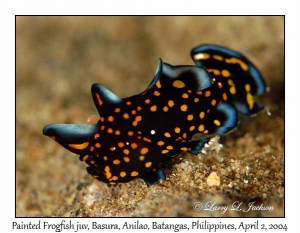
point(217, 122)
point(134, 173)
point(105, 158)
point(160, 143)
point(169, 147)
point(213, 102)
point(130, 133)
point(165, 108)
point(232, 87)
point(178, 84)
point(184, 107)
point(168, 135)
point(133, 112)
point(97, 145)
point(141, 157)
point(110, 130)
point(185, 95)
point(234, 60)
point(207, 94)
point(190, 117)
point(138, 118)
point(250, 100)
point(147, 101)
point(164, 151)
point(196, 100)
point(126, 159)
point(148, 164)
point(218, 57)
point(110, 118)
point(99, 99)
point(79, 146)
point(85, 158)
point(184, 149)
point(177, 130)
point(225, 73)
point(247, 87)
point(144, 150)
point(192, 128)
point(96, 136)
point(171, 103)
point(122, 174)
point(92, 148)
point(215, 71)
point(121, 144)
point(146, 139)
point(116, 162)
point(224, 95)
point(133, 145)
point(107, 172)
point(158, 84)
point(117, 110)
point(201, 115)
point(113, 178)
point(126, 151)
point(156, 93)
point(205, 131)
point(125, 115)
point(153, 108)
point(128, 103)
point(139, 108)
point(117, 132)
point(201, 128)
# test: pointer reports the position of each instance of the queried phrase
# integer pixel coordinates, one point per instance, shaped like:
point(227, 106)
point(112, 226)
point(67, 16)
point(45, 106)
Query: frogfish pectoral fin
point(74, 137)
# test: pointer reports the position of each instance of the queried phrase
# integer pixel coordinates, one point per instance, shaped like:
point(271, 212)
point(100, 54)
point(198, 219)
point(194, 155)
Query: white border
point(10, 8)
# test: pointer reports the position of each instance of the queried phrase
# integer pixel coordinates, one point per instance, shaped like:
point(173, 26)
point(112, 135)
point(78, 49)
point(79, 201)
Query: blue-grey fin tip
point(231, 121)
point(244, 109)
point(196, 146)
point(104, 99)
point(66, 134)
point(158, 73)
point(154, 177)
point(159, 68)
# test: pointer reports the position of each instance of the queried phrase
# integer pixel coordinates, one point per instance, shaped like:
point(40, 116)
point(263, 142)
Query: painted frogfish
point(134, 135)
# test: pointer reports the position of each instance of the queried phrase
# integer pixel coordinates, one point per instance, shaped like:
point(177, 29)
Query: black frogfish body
point(134, 135)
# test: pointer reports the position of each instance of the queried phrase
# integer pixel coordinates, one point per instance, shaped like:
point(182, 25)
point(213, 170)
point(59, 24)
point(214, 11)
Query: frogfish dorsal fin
point(103, 98)
point(158, 73)
point(189, 77)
